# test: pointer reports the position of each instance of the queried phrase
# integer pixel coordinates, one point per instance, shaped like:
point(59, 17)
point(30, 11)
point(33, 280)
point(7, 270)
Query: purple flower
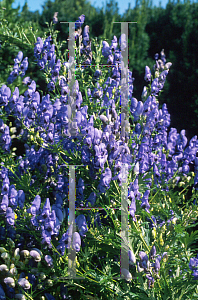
point(31, 89)
point(51, 86)
point(34, 209)
point(38, 47)
point(157, 265)
point(114, 43)
point(82, 225)
point(24, 283)
point(145, 204)
point(49, 260)
point(132, 208)
point(79, 22)
point(154, 87)
point(46, 209)
point(193, 264)
point(24, 66)
point(49, 296)
point(147, 76)
point(91, 199)
point(13, 196)
point(19, 57)
point(132, 259)
point(55, 19)
point(143, 256)
point(122, 41)
point(10, 216)
point(36, 255)
point(152, 253)
point(105, 49)
point(5, 94)
point(150, 280)
point(2, 293)
point(76, 241)
point(9, 281)
point(4, 203)
point(85, 35)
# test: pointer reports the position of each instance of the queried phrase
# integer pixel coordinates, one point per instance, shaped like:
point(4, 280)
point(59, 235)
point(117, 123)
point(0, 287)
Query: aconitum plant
point(39, 246)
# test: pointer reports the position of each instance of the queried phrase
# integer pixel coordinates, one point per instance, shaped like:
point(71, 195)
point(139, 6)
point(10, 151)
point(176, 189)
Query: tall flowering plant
point(38, 244)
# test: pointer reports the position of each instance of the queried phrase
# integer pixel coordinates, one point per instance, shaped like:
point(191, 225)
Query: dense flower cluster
point(49, 122)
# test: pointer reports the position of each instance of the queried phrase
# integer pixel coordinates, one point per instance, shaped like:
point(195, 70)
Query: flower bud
point(165, 256)
point(5, 256)
point(174, 220)
point(161, 240)
point(2, 250)
point(49, 260)
point(25, 253)
point(39, 286)
point(136, 168)
point(3, 268)
point(154, 232)
point(42, 276)
point(16, 253)
point(167, 65)
point(11, 243)
point(188, 178)
point(13, 270)
point(24, 283)
point(49, 282)
point(35, 254)
point(177, 271)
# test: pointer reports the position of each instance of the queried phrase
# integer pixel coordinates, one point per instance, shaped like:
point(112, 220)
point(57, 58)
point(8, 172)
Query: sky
point(34, 5)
